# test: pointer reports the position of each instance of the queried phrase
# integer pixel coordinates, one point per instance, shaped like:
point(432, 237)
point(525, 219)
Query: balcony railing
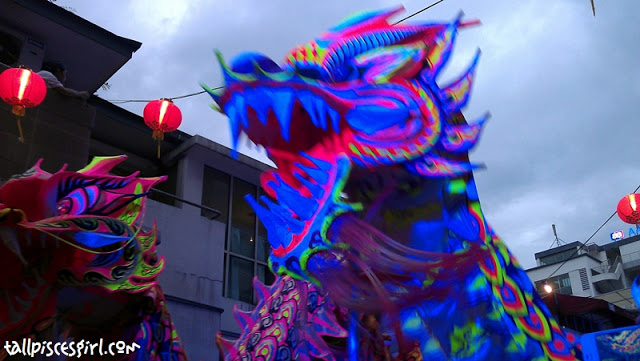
point(564, 290)
point(212, 213)
point(607, 266)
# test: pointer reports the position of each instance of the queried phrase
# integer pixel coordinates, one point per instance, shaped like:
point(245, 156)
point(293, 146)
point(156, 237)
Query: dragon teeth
point(303, 207)
point(316, 108)
point(316, 191)
point(255, 99)
point(283, 102)
point(320, 114)
point(335, 119)
point(234, 124)
point(236, 110)
point(306, 100)
point(295, 225)
point(319, 175)
point(241, 106)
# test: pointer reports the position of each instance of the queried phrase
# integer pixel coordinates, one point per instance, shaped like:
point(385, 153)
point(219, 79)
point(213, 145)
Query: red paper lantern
point(22, 89)
point(162, 116)
point(629, 208)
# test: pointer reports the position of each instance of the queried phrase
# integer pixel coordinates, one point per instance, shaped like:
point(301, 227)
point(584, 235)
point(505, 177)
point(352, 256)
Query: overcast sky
point(563, 88)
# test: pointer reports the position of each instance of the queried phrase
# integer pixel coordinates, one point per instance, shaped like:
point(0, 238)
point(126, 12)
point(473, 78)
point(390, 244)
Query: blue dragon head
point(364, 95)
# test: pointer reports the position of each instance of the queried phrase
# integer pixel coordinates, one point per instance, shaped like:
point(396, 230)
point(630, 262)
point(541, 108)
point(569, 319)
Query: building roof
point(576, 244)
point(198, 140)
point(90, 53)
point(565, 247)
point(619, 243)
point(576, 256)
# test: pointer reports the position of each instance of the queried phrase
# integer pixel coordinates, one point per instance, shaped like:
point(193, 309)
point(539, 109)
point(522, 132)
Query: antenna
point(557, 242)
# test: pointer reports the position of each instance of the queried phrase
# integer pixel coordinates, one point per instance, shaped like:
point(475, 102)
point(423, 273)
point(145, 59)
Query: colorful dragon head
point(90, 210)
point(76, 229)
point(364, 94)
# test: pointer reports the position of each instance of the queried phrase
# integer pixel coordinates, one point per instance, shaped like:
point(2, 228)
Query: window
point(560, 284)
point(246, 245)
point(243, 220)
point(564, 284)
point(215, 193)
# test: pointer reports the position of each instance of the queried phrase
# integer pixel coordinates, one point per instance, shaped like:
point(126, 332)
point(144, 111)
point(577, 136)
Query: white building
point(605, 272)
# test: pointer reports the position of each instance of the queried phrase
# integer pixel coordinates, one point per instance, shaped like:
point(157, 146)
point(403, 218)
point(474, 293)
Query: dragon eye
point(345, 72)
point(311, 73)
point(78, 201)
point(245, 62)
point(64, 206)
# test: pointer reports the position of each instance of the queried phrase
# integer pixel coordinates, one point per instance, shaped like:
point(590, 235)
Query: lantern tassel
point(159, 136)
point(20, 130)
point(18, 110)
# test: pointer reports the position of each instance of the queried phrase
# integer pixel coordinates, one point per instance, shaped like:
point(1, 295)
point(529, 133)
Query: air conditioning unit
point(18, 49)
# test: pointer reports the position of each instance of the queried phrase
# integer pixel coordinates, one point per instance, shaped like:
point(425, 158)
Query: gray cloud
point(562, 86)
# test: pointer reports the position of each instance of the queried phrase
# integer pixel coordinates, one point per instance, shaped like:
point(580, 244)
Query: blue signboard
point(617, 235)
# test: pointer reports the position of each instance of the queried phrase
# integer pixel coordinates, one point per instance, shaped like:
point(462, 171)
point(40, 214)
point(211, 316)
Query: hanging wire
point(418, 12)
point(122, 101)
point(585, 243)
point(146, 101)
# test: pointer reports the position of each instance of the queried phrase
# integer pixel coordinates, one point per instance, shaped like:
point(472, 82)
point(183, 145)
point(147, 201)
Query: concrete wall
point(571, 267)
point(197, 327)
point(630, 248)
point(192, 278)
point(576, 284)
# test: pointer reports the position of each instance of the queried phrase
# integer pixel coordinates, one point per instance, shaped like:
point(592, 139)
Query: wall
point(191, 280)
point(576, 284)
point(630, 248)
point(197, 328)
point(630, 254)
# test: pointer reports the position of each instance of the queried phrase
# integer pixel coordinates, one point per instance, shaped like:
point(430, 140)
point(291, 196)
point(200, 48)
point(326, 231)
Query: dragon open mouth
point(271, 113)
